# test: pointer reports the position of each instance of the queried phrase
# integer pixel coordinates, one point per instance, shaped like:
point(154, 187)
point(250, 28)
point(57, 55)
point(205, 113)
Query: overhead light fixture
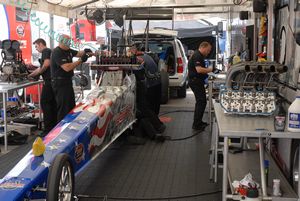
point(121, 3)
point(99, 16)
point(118, 19)
point(56, 2)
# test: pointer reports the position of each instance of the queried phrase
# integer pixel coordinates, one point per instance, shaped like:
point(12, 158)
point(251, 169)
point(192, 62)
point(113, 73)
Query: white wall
point(4, 25)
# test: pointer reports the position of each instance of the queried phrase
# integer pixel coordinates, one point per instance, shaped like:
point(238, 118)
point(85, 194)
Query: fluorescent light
point(55, 1)
point(121, 3)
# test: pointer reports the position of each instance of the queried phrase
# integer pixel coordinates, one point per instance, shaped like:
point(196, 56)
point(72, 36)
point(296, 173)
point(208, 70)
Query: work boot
point(159, 138)
point(161, 129)
point(197, 129)
point(204, 124)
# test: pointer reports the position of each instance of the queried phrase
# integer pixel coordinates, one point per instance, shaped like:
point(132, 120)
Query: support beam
point(40, 6)
point(270, 45)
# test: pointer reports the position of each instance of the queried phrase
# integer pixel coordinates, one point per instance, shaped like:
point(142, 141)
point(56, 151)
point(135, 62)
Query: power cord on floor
point(174, 111)
point(168, 138)
point(157, 198)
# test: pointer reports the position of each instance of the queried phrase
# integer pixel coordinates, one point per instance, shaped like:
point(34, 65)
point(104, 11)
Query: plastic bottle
point(276, 187)
point(266, 166)
point(294, 116)
point(279, 118)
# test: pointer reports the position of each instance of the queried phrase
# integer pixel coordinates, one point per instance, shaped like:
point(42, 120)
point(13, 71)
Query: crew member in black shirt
point(62, 71)
point(48, 103)
point(152, 77)
point(197, 75)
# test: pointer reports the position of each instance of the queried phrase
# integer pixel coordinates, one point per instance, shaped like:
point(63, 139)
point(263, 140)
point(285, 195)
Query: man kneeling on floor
point(148, 122)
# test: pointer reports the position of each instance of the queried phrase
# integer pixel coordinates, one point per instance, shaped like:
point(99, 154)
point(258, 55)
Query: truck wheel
point(181, 92)
point(295, 164)
point(164, 87)
point(60, 184)
point(296, 169)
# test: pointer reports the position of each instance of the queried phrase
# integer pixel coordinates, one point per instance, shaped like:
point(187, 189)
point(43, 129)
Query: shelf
point(24, 113)
point(240, 164)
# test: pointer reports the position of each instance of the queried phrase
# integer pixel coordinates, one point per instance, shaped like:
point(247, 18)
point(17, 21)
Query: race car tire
point(60, 184)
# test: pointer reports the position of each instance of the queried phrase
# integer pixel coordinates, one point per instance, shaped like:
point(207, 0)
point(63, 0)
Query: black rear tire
point(164, 87)
point(60, 184)
point(181, 92)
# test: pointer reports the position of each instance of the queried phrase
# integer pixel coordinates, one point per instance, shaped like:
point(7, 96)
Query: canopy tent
point(171, 9)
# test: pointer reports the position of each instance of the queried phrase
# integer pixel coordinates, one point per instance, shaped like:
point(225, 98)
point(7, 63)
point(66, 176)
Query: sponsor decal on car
point(79, 153)
point(12, 185)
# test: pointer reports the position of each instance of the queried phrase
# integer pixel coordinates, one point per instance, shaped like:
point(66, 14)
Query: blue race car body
point(83, 134)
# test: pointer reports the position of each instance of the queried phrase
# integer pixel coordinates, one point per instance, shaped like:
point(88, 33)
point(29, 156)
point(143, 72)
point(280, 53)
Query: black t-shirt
point(46, 54)
point(58, 58)
point(197, 59)
point(151, 71)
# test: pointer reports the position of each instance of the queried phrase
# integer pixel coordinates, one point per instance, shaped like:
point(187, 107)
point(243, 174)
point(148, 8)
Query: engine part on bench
point(12, 67)
point(248, 102)
point(249, 88)
point(117, 60)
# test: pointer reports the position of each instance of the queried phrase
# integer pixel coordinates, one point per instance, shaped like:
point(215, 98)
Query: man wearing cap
point(62, 71)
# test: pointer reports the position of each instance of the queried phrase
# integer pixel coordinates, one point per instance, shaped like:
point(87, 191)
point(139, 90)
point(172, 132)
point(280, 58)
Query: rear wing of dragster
point(75, 141)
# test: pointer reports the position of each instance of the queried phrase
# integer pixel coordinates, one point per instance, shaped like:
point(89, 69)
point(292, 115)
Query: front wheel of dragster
point(60, 184)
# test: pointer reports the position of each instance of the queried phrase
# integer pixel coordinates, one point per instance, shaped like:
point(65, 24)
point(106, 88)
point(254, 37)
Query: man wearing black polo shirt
point(197, 74)
point(48, 103)
point(62, 71)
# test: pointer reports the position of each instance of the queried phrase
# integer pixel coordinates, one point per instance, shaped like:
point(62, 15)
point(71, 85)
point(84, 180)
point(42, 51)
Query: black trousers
point(153, 96)
point(197, 86)
point(64, 96)
point(144, 112)
point(48, 105)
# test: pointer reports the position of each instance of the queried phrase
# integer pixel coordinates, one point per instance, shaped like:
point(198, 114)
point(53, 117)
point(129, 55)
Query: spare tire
point(164, 87)
point(181, 92)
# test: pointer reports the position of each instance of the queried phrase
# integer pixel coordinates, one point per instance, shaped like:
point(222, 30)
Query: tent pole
point(173, 18)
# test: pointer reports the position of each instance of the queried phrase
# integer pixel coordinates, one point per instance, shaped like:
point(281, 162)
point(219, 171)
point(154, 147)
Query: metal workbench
point(4, 90)
point(260, 127)
point(214, 79)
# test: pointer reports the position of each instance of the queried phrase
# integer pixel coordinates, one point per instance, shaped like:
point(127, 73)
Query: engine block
point(250, 88)
point(248, 102)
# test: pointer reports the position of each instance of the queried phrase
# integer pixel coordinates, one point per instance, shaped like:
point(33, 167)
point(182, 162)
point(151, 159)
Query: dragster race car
point(79, 138)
